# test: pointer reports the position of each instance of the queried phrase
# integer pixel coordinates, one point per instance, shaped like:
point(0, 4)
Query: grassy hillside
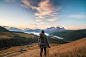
point(3, 29)
point(71, 35)
point(6, 35)
point(26, 35)
point(73, 49)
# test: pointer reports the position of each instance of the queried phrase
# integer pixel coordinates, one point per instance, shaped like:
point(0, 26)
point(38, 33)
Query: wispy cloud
point(32, 24)
point(77, 16)
point(44, 9)
point(24, 6)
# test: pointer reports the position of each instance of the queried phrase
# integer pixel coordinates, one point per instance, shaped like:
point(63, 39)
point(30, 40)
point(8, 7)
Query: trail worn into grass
point(73, 49)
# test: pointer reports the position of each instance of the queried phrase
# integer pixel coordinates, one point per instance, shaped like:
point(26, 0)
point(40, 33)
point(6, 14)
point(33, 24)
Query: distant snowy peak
point(26, 29)
point(54, 29)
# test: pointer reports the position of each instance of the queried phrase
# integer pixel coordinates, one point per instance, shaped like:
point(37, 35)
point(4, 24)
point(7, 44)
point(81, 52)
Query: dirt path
point(29, 53)
point(36, 52)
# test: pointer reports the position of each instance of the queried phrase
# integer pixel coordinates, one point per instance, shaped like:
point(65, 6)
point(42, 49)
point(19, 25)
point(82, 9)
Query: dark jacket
point(39, 41)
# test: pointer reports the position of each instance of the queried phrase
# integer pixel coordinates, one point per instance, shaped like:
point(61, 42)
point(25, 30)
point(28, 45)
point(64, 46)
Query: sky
point(70, 14)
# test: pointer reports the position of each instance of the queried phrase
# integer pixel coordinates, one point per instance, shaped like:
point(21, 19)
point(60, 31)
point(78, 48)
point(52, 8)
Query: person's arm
point(46, 39)
point(38, 40)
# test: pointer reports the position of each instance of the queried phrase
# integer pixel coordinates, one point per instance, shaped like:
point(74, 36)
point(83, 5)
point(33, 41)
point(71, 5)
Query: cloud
point(44, 9)
point(44, 23)
point(24, 6)
point(54, 19)
point(9, 0)
point(27, 4)
point(39, 17)
point(32, 24)
point(39, 20)
point(77, 16)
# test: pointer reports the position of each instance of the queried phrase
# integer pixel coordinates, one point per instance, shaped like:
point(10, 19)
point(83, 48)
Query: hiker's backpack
point(42, 40)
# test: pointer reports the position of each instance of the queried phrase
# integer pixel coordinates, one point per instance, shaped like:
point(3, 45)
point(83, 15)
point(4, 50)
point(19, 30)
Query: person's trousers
point(42, 51)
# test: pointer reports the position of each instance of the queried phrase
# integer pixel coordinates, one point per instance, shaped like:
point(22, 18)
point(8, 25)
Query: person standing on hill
point(43, 43)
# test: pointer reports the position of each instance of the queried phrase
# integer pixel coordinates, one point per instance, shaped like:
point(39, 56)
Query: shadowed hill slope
point(3, 29)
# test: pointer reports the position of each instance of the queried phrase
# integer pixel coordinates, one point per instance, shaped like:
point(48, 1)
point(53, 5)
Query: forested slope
point(71, 35)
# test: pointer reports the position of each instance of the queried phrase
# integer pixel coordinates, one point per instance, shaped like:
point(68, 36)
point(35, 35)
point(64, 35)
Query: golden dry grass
point(8, 35)
point(73, 49)
point(53, 37)
point(4, 37)
point(26, 35)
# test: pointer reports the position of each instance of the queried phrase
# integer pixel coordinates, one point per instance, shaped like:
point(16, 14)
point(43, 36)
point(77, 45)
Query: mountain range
point(47, 30)
point(14, 29)
point(54, 29)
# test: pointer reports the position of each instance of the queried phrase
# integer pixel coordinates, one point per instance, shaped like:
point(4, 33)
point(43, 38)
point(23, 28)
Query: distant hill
point(15, 29)
point(3, 29)
point(71, 35)
point(12, 28)
point(32, 30)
